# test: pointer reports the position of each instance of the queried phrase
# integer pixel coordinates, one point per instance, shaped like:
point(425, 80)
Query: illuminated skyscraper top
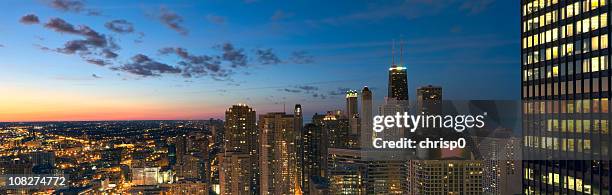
point(351, 104)
point(398, 78)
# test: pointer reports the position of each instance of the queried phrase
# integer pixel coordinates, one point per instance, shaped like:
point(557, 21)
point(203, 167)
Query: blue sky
point(264, 53)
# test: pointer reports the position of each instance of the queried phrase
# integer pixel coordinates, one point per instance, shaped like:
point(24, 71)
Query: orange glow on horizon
point(18, 106)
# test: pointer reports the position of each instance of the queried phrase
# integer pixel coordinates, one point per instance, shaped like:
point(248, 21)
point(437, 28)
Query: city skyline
point(310, 56)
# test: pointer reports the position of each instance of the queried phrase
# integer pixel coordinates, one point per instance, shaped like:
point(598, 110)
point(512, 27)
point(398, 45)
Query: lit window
point(595, 64)
point(604, 41)
point(594, 4)
point(604, 20)
point(594, 22)
point(570, 48)
point(569, 10)
point(585, 25)
point(586, 66)
point(594, 43)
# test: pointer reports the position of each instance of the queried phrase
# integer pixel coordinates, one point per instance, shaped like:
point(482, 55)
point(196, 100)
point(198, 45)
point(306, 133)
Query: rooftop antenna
point(401, 51)
point(283, 107)
point(392, 52)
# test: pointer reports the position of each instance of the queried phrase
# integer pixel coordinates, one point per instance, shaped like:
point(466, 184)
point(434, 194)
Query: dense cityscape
point(558, 144)
point(271, 153)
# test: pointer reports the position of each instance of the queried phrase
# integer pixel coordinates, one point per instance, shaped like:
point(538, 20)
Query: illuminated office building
point(278, 154)
point(502, 171)
point(352, 111)
point(565, 88)
point(445, 177)
point(429, 99)
point(241, 151)
point(350, 172)
point(337, 129)
point(235, 174)
point(298, 126)
point(398, 82)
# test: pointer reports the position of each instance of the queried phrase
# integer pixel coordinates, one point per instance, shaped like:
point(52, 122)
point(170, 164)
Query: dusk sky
point(123, 60)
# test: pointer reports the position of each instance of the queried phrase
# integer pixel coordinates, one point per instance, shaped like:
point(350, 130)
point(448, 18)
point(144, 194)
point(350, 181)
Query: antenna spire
point(392, 52)
point(401, 51)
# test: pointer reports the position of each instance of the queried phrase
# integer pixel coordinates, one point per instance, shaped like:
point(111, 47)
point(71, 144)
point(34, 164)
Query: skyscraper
point(565, 89)
point(298, 126)
point(352, 111)
point(366, 117)
point(278, 160)
point(398, 83)
point(429, 99)
point(312, 154)
point(241, 155)
point(337, 129)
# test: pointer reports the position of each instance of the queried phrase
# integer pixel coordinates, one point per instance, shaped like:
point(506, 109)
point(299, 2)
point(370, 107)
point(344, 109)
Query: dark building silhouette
point(429, 99)
point(313, 155)
point(398, 76)
point(398, 83)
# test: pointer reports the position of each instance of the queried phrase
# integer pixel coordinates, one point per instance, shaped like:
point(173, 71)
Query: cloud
point(96, 76)
point(234, 55)
point(120, 26)
point(316, 95)
point(172, 20)
point(98, 62)
point(59, 25)
point(301, 57)
point(292, 90)
point(144, 66)
point(76, 6)
point(304, 89)
point(280, 15)
point(29, 19)
point(307, 88)
point(94, 43)
point(215, 19)
point(109, 54)
point(1, 45)
point(339, 91)
point(267, 56)
point(197, 65)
